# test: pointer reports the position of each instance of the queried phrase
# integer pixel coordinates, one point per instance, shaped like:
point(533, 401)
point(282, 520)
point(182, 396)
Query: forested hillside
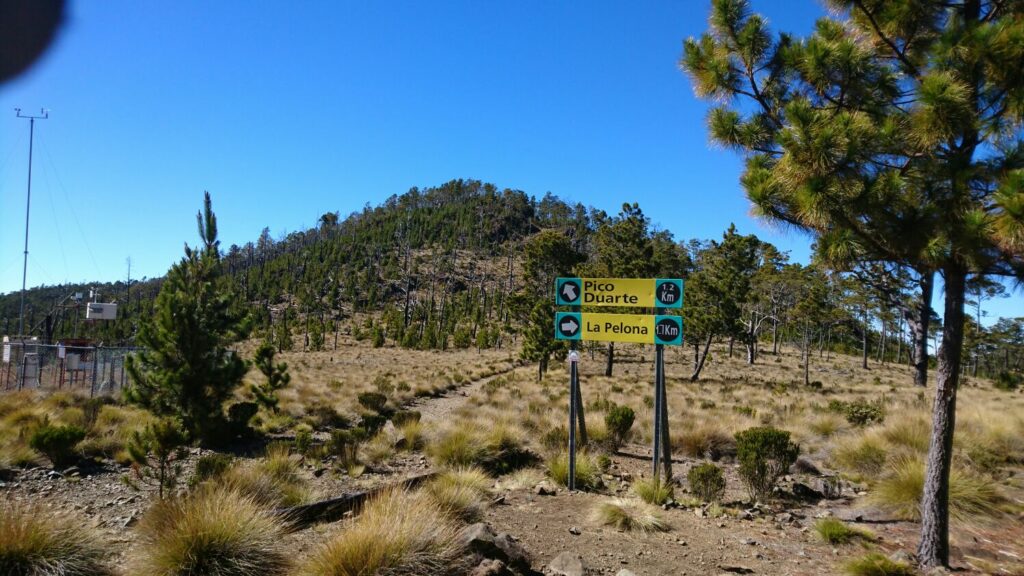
point(467, 264)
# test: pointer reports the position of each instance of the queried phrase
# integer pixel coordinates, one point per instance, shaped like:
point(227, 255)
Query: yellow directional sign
point(637, 328)
point(629, 292)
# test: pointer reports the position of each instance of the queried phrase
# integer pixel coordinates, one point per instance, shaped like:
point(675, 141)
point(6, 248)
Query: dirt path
point(434, 410)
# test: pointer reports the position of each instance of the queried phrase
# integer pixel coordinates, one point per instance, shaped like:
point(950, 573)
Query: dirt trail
point(434, 410)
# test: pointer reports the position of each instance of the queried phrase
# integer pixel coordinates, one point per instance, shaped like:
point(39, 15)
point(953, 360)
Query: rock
point(745, 515)
point(784, 518)
point(805, 466)
point(625, 572)
point(735, 569)
point(699, 512)
point(489, 567)
point(806, 493)
point(543, 489)
point(566, 564)
point(902, 557)
point(748, 541)
point(481, 539)
point(574, 531)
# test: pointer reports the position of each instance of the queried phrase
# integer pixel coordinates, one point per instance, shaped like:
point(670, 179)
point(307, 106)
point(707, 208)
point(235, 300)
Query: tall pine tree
point(891, 133)
point(186, 368)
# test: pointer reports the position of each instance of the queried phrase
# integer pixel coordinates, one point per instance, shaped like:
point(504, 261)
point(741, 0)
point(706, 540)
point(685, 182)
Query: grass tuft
point(460, 493)
point(587, 470)
point(35, 542)
point(835, 531)
point(875, 564)
point(398, 533)
point(899, 492)
point(216, 532)
point(629, 515)
point(653, 491)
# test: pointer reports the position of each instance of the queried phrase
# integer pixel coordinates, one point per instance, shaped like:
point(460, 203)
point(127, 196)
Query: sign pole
point(656, 448)
point(573, 385)
point(666, 445)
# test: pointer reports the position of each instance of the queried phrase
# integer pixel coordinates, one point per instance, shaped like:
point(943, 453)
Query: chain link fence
point(29, 365)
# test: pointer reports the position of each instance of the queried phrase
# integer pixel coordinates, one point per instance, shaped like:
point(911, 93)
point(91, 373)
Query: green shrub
point(211, 466)
point(303, 438)
point(875, 564)
point(372, 423)
point(764, 454)
point(707, 482)
point(36, 542)
point(57, 443)
point(156, 452)
point(402, 417)
point(862, 413)
point(345, 446)
point(239, 415)
point(1007, 381)
point(324, 417)
point(618, 420)
point(374, 401)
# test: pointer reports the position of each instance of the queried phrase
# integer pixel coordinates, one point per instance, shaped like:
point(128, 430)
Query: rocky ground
point(552, 529)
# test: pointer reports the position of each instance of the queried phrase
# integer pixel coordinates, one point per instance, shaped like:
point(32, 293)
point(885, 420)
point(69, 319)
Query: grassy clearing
point(628, 515)
point(398, 533)
point(35, 542)
point(835, 531)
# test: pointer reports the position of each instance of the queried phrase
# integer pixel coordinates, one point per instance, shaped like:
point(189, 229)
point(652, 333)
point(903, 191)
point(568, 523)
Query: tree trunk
point(732, 340)
point(775, 336)
point(864, 343)
point(807, 357)
point(934, 547)
point(702, 357)
point(919, 329)
point(611, 359)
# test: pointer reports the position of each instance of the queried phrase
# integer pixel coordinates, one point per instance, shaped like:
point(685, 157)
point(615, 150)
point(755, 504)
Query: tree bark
point(934, 547)
point(864, 341)
point(919, 322)
point(702, 357)
point(611, 359)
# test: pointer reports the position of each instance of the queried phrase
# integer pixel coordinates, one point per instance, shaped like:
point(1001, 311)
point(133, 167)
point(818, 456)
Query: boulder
point(566, 564)
point(481, 539)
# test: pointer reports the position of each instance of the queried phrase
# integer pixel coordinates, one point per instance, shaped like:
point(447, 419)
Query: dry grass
point(835, 531)
point(398, 533)
point(972, 496)
point(628, 515)
point(588, 475)
point(653, 491)
point(36, 542)
point(216, 532)
point(461, 493)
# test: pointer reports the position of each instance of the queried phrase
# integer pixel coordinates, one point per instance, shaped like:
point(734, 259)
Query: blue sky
point(284, 111)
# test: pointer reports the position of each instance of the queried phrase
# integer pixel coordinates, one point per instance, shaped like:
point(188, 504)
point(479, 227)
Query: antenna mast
point(43, 115)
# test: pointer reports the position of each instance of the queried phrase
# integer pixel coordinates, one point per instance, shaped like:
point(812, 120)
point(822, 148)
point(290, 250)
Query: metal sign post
point(574, 385)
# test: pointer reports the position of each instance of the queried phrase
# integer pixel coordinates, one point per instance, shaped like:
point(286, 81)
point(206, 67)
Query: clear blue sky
point(285, 110)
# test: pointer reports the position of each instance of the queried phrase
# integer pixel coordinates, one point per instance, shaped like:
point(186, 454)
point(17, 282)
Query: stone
point(784, 518)
point(902, 557)
point(735, 569)
point(805, 466)
point(489, 567)
point(625, 572)
point(543, 489)
point(481, 539)
point(575, 531)
point(806, 493)
point(566, 564)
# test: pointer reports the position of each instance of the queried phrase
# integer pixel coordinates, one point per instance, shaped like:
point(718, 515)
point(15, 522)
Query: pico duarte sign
point(636, 328)
point(628, 292)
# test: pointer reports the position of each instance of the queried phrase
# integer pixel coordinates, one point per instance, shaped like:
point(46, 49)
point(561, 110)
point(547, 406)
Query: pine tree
point(276, 374)
point(186, 369)
point(892, 133)
point(539, 337)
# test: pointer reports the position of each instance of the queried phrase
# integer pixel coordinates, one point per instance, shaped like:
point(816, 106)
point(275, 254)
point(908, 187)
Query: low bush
point(619, 420)
point(875, 564)
point(707, 482)
point(398, 533)
point(835, 531)
point(1007, 381)
point(374, 401)
point(36, 542)
point(210, 466)
point(57, 443)
point(859, 412)
point(704, 441)
point(215, 531)
point(653, 491)
point(629, 515)
point(764, 454)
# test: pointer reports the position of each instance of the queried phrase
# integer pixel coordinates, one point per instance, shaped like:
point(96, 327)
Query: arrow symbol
point(569, 326)
point(569, 291)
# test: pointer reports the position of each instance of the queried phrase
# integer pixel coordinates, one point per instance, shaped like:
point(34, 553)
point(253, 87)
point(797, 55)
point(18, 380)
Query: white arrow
point(569, 326)
point(569, 291)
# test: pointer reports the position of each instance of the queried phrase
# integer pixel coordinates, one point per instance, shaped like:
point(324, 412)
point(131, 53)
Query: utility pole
point(43, 115)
